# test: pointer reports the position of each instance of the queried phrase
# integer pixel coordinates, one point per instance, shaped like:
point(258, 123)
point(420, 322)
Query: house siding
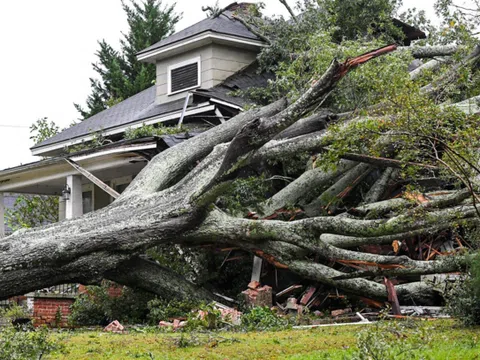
point(217, 63)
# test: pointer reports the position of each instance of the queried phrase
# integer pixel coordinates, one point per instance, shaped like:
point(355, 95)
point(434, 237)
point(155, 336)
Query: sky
point(48, 47)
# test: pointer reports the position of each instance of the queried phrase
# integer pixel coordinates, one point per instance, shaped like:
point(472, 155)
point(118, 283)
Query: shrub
point(14, 312)
point(263, 318)
point(18, 344)
point(97, 307)
point(208, 317)
point(463, 298)
point(391, 340)
point(163, 310)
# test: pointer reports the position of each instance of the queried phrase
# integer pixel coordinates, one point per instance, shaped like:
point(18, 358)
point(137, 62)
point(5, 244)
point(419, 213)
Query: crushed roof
point(244, 79)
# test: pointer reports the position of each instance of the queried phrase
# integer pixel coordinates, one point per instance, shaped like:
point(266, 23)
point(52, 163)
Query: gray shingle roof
point(224, 24)
point(142, 106)
point(136, 108)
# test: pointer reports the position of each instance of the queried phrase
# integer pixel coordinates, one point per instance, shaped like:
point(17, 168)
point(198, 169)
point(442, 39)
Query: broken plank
point(288, 290)
point(392, 296)
point(308, 295)
point(93, 179)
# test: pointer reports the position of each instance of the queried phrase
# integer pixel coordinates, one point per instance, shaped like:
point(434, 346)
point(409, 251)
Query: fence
point(64, 289)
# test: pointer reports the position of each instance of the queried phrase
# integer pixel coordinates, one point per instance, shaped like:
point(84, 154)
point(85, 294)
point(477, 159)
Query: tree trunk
point(171, 203)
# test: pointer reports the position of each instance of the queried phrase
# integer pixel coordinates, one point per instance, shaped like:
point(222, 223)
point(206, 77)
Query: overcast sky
point(47, 50)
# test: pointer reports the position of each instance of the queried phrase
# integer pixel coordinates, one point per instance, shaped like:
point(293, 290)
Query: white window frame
point(194, 60)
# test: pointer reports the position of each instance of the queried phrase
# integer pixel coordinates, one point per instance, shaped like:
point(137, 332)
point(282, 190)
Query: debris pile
point(115, 327)
point(257, 295)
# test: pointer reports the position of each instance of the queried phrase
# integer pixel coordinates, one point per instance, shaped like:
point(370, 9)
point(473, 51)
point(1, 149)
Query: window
point(88, 199)
point(184, 76)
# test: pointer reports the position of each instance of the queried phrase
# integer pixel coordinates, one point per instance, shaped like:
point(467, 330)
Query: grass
point(443, 340)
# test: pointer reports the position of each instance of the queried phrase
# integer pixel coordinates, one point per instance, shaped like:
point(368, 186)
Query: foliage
point(392, 340)
point(163, 310)
point(151, 130)
point(14, 311)
point(191, 263)
point(463, 297)
point(98, 139)
point(207, 318)
point(261, 319)
point(458, 24)
point(352, 20)
point(42, 130)
point(121, 74)
point(30, 211)
point(16, 344)
point(97, 307)
point(245, 194)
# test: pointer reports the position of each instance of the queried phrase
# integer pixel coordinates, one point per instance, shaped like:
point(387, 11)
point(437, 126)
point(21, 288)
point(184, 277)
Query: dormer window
point(184, 76)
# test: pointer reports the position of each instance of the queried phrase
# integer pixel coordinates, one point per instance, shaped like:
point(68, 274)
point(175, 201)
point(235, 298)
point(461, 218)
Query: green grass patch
point(425, 340)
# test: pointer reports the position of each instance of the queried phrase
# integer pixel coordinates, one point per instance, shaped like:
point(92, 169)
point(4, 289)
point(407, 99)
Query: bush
point(163, 310)
point(463, 298)
point(263, 318)
point(391, 340)
point(17, 344)
point(14, 312)
point(210, 319)
point(97, 307)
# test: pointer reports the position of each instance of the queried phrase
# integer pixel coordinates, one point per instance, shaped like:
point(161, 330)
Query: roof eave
point(198, 40)
point(49, 149)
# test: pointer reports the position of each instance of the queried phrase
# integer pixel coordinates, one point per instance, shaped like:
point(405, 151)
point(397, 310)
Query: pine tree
point(120, 74)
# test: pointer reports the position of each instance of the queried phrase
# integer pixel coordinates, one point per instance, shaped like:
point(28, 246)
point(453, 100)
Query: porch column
point(2, 216)
point(74, 206)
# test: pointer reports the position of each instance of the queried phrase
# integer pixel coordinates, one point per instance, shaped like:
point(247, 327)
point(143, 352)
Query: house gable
point(216, 63)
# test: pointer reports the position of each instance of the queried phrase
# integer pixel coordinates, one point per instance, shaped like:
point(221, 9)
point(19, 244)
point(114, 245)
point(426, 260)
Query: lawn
point(428, 340)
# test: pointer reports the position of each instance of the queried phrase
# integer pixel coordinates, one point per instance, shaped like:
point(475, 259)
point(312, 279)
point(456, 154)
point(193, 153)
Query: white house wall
point(217, 63)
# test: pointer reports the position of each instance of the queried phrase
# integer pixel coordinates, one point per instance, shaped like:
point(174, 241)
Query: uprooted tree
point(395, 165)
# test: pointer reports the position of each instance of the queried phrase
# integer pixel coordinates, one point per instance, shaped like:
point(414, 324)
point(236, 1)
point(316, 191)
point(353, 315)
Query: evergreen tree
point(121, 75)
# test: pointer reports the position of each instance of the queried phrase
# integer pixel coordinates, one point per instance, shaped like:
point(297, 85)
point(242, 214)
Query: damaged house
point(197, 71)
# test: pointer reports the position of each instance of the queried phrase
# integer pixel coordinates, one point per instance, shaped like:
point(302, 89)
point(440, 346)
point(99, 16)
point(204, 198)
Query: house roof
point(137, 107)
point(224, 24)
point(142, 106)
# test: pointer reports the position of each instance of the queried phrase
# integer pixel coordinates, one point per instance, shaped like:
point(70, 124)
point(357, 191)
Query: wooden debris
point(392, 296)
point(339, 312)
point(308, 295)
point(372, 303)
point(288, 290)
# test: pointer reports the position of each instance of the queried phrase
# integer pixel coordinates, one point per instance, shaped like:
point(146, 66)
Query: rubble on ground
point(115, 327)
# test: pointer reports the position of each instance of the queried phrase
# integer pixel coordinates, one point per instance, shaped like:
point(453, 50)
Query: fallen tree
point(171, 203)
